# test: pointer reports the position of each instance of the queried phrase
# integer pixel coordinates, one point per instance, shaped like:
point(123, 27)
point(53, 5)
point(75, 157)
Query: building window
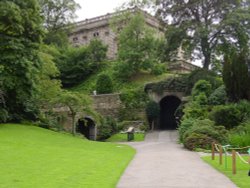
point(75, 39)
point(96, 34)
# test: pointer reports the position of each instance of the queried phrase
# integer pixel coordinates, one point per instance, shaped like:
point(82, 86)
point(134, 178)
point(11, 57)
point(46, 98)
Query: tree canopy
point(201, 26)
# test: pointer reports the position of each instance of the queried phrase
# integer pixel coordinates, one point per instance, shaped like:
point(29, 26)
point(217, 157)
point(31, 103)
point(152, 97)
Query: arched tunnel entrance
point(168, 106)
point(86, 126)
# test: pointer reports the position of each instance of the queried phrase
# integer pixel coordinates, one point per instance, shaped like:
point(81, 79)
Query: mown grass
point(119, 137)
point(88, 85)
point(241, 179)
point(36, 157)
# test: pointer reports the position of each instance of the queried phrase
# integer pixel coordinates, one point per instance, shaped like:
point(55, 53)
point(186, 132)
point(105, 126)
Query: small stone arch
point(87, 127)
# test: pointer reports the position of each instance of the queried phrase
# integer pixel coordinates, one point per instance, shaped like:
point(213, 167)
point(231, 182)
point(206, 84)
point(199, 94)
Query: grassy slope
point(123, 137)
point(35, 157)
point(88, 86)
point(241, 178)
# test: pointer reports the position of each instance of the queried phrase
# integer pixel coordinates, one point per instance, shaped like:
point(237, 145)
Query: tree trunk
point(153, 125)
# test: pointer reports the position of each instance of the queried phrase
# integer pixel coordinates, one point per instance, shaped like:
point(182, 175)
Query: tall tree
point(204, 24)
point(236, 76)
point(20, 34)
point(58, 15)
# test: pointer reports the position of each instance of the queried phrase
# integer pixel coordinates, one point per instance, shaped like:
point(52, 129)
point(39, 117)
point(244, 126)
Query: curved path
point(162, 163)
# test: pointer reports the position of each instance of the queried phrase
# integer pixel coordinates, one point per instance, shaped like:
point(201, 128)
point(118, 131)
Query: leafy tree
point(236, 76)
point(58, 15)
point(76, 64)
point(104, 84)
point(76, 102)
point(21, 32)
point(200, 26)
point(136, 47)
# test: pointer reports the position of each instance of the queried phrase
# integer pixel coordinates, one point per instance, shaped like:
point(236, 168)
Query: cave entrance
point(86, 126)
point(168, 106)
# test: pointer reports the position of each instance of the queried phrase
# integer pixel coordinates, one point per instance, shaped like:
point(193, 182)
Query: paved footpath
point(162, 163)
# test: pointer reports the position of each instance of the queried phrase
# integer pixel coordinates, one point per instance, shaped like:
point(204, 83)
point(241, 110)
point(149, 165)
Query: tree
point(76, 102)
point(137, 47)
point(21, 33)
point(205, 24)
point(236, 76)
point(58, 15)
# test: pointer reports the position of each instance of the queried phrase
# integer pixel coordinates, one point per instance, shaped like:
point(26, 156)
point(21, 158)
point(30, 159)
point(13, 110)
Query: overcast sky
point(93, 8)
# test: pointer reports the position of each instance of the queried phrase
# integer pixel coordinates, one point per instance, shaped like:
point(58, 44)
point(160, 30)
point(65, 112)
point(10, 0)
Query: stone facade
point(99, 28)
point(107, 104)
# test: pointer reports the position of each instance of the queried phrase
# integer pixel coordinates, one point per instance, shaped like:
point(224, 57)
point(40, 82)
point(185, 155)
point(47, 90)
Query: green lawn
point(241, 179)
point(123, 137)
point(36, 157)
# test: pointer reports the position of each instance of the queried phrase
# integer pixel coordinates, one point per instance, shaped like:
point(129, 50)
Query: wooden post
point(212, 151)
point(234, 161)
point(221, 152)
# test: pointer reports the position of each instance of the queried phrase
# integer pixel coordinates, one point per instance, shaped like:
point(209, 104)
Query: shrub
point(230, 115)
point(153, 112)
point(107, 128)
point(240, 136)
point(158, 69)
point(196, 140)
point(184, 126)
point(195, 111)
point(3, 115)
point(202, 86)
point(204, 131)
point(104, 84)
point(218, 97)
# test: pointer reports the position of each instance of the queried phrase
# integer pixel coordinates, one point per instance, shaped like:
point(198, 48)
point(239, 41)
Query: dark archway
point(86, 127)
point(168, 106)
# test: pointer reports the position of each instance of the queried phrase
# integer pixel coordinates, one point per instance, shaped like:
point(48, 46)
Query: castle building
point(100, 28)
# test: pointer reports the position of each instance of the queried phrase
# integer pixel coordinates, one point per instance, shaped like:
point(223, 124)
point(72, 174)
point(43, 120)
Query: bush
point(158, 69)
point(107, 128)
point(203, 133)
point(194, 110)
point(104, 84)
point(202, 86)
point(184, 126)
point(218, 97)
point(196, 140)
point(240, 136)
point(3, 115)
point(231, 115)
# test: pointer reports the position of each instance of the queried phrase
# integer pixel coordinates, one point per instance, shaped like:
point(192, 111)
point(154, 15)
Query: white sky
point(93, 8)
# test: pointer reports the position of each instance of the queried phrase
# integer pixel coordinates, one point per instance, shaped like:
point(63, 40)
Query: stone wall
point(107, 104)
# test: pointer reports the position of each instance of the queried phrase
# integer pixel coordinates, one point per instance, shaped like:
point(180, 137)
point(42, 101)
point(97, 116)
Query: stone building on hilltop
point(100, 28)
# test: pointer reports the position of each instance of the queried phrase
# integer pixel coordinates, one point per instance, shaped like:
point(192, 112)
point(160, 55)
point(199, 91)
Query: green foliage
point(240, 136)
point(201, 74)
point(236, 76)
point(218, 96)
point(40, 158)
point(107, 128)
point(136, 47)
point(58, 15)
point(76, 64)
point(178, 83)
point(121, 137)
point(104, 84)
point(201, 87)
point(203, 133)
point(195, 111)
point(21, 33)
point(158, 68)
point(185, 125)
point(192, 25)
point(230, 115)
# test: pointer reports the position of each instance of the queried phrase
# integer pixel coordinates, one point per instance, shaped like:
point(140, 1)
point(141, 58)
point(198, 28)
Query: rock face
point(99, 28)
